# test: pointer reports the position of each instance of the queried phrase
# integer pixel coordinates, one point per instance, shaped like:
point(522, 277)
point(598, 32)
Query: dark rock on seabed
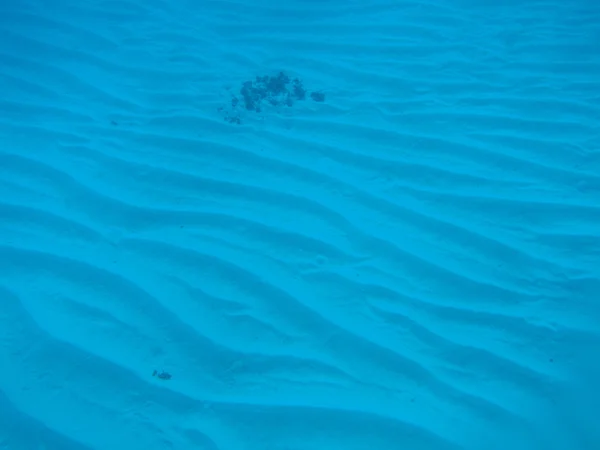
point(264, 91)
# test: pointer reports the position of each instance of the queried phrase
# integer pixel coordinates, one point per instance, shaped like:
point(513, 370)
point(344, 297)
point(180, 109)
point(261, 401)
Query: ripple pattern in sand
point(414, 263)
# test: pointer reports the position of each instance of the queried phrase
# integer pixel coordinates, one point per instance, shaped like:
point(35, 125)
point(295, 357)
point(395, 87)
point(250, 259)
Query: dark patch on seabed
point(264, 91)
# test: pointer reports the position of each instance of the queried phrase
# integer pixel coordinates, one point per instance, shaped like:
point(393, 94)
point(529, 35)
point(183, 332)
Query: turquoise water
point(299, 225)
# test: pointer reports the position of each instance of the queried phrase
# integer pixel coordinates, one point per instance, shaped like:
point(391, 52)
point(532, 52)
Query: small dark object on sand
point(265, 92)
point(317, 96)
point(162, 375)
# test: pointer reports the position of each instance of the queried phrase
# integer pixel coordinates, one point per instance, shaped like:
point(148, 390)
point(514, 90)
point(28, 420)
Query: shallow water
point(409, 259)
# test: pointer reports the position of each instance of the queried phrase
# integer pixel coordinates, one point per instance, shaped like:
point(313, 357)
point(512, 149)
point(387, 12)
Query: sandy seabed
point(411, 263)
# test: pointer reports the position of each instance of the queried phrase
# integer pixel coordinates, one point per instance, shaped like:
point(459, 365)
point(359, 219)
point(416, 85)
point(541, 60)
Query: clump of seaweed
point(275, 91)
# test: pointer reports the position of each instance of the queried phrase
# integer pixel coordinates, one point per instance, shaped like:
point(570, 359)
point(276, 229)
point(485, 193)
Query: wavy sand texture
point(411, 264)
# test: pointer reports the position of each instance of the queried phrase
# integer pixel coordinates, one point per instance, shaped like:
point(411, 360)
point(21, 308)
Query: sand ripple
point(413, 263)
